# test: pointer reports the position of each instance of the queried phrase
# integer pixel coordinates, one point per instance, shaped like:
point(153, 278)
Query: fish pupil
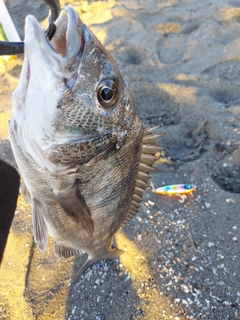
point(107, 94)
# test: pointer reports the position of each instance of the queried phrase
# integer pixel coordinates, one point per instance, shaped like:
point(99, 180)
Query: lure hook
point(11, 48)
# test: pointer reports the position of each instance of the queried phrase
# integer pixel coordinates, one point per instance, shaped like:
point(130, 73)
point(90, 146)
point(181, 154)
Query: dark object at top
point(9, 186)
point(10, 48)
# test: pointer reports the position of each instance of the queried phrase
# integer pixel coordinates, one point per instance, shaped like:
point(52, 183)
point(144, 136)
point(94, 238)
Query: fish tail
point(111, 253)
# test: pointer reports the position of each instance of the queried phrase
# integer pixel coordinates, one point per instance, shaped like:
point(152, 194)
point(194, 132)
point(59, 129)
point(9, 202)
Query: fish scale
point(85, 161)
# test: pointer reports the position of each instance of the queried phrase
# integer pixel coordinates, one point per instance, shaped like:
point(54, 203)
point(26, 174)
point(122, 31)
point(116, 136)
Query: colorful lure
point(174, 189)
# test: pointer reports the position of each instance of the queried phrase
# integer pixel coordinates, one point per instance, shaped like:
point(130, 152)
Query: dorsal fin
point(146, 162)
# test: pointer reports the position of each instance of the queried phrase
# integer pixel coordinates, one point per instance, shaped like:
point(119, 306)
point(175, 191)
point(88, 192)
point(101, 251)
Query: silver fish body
point(78, 140)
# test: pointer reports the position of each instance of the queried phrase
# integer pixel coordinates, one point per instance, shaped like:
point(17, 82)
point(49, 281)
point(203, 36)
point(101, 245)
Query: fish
point(78, 140)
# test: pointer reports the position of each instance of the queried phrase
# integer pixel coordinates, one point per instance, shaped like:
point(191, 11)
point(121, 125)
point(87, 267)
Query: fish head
point(70, 88)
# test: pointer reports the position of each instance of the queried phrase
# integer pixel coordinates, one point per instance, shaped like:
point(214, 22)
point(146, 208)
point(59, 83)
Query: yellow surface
point(4, 117)
point(173, 192)
point(135, 262)
point(11, 288)
point(43, 268)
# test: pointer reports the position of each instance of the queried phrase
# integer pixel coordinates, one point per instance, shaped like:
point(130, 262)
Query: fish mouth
point(68, 39)
point(67, 44)
point(50, 67)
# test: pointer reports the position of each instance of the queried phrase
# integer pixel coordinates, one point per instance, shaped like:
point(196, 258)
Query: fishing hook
point(11, 48)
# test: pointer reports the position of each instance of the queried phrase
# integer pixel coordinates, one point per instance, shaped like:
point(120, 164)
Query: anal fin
point(40, 228)
point(66, 252)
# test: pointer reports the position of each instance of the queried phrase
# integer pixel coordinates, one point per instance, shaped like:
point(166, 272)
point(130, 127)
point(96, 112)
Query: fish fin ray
point(66, 252)
point(76, 207)
point(148, 159)
point(141, 184)
point(132, 211)
point(152, 138)
point(112, 253)
point(40, 228)
point(145, 167)
point(146, 162)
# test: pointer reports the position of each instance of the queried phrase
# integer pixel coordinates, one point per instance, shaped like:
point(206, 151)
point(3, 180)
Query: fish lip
point(70, 28)
point(68, 41)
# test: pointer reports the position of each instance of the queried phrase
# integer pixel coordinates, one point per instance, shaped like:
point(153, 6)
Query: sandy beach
point(181, 59)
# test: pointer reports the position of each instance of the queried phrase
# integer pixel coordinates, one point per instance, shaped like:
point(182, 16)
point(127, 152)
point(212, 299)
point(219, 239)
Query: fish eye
point(107, 93)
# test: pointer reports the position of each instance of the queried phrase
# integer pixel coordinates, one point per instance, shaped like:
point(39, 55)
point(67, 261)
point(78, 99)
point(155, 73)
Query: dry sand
point(182, 260)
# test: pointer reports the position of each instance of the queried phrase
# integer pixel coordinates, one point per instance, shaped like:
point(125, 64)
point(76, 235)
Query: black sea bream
point(78, 140)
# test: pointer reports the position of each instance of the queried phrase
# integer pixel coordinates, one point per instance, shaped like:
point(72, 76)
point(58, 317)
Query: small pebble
point(207, 204)
point(151, 203)
point(210, 244)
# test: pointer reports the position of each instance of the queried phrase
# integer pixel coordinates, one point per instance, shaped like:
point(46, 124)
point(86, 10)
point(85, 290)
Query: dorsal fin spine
point(146, 162)
point(148, 159)
point(143, 176)
point(139, 191)
point(145, 167)
point(141, 184)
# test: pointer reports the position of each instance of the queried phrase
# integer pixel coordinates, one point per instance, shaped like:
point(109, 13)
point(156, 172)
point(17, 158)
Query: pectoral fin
point(74, 205)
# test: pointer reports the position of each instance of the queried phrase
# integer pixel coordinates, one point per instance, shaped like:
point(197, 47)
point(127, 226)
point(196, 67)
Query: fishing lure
point(175, 189)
